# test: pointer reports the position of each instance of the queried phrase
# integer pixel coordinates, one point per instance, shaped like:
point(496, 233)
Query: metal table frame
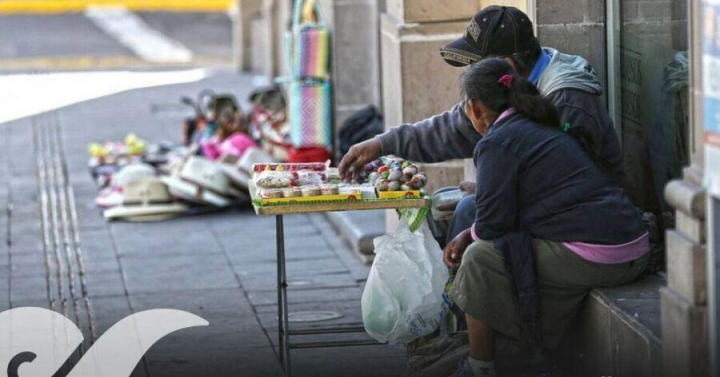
point(284, 331)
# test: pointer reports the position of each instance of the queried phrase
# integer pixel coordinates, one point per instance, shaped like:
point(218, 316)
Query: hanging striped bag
point(310, 114)
point(311, 55)
point(310, 90)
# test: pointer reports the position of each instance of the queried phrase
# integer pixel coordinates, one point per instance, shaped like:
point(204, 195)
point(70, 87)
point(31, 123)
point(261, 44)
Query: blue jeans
point(463, 218)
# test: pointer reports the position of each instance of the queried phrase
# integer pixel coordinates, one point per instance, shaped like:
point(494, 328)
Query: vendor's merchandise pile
point(151, 182)
point(297, 183)
point(296, 180)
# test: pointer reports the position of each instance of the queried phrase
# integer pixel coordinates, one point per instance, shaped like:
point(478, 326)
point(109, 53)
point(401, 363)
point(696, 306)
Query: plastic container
point(291, 192)
point(329, 190)
point(271, 194)
point(444, 202)
point(311, 191)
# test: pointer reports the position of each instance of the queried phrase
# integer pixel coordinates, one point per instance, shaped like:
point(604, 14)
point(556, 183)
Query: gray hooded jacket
point(568, 81)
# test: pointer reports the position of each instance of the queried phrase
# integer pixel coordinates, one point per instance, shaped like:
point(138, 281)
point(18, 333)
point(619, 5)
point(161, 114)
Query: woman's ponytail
point(526, 100)
point(494, 82)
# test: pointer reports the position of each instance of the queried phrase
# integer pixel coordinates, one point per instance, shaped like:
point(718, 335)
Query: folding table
point(284, 331)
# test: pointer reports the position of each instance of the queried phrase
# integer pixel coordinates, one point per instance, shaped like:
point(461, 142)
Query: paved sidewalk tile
point(195, 361)
point(177, 273)
point(28, 289)
point(348, 312)
point(219, 266)
point(268, 282)
point(319, 266)
point(107, 311)
point(268, 253)
point(312, 295)
point(208, 303)
point(106, 283)
point(228, 333)
point(368, 361)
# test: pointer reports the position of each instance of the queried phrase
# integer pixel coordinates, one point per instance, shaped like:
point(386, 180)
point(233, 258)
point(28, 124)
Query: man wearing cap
point(568, 81)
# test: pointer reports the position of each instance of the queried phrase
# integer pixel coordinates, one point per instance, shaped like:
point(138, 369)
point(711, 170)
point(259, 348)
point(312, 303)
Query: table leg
point(283, 323)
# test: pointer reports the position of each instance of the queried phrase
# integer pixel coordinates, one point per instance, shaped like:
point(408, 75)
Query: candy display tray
point(332, 203)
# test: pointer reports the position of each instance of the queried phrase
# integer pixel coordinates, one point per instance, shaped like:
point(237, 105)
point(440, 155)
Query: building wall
point(574, 27)
point(356, 54)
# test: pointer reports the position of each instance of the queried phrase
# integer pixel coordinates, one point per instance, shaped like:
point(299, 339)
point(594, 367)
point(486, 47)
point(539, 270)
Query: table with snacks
point(281, 189)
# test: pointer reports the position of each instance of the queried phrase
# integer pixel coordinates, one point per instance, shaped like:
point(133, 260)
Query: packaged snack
point(285, 178)
point(273, 179)
point(368, 192)
point(333, 175)
point(329, 190)
point(310, 178)
point(310, 191)
point(313, 166)
point(271, 193)
point(291, 192)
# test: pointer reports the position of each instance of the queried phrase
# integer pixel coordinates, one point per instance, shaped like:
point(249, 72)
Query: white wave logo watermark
point(36, 342)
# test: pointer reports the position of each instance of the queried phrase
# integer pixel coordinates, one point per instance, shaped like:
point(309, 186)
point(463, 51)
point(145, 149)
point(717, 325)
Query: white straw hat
point(253, 156)
point(145, 199)
point(128, 172)
point(229, 166)
point(201, 181)
point(112, 196)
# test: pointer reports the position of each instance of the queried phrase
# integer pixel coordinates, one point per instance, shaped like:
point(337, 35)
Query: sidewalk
point(75, 6)
point(57, 252)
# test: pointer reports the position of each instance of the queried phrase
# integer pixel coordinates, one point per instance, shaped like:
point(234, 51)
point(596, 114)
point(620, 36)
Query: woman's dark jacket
point(535, 181)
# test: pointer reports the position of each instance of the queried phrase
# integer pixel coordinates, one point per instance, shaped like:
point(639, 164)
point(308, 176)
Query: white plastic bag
point(404, 295)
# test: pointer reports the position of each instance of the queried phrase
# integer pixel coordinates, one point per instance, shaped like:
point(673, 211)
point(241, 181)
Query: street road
point(114, 38)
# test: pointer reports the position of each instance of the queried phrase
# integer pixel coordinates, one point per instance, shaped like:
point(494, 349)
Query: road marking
point(110, 62)
point(77, 6)
point(30, 94)
point(130, 30)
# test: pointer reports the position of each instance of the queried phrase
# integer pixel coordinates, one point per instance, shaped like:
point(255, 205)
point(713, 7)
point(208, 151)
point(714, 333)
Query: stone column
point(684, 301)
point(416, 82)
point(267, 22)
point(355, 54)
point(260, 58)
point(281, 21)
point(245, 12)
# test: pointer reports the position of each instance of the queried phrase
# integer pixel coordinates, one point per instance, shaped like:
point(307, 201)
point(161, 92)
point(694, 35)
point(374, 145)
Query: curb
point(356, 234)
point(78, 6)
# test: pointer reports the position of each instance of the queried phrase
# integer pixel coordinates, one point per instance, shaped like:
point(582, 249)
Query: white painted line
point(30, 94)
point(130, 30)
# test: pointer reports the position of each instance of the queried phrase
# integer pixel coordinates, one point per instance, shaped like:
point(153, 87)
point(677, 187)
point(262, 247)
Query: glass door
point(649, 66)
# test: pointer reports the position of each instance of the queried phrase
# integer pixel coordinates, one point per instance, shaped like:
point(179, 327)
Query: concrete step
point(617, 333)
point(358, 230)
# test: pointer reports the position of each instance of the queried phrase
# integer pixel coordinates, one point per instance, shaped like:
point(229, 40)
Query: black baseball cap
point(494, 31)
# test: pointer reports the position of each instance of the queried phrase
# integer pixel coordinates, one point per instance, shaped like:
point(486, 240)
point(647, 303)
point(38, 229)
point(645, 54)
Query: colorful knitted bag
point(310, 93)
point(310, 115)
point(311, 47)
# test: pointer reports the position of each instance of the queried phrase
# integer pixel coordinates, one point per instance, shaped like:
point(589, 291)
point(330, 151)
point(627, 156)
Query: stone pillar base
point(685, 336)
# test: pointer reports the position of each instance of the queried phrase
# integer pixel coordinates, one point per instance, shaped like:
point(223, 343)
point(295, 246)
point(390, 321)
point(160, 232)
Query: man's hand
point(468, 187)
point(452, 255)
point(359, 155)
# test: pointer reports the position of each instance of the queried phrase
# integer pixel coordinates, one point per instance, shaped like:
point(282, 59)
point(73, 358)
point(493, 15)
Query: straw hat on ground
point(112, 196)
point(201, 181)
point(253, 156)
point(145, 199)
point(229, 166)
